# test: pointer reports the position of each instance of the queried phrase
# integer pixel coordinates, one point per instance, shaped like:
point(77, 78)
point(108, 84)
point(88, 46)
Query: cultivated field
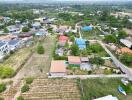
point(53, 89)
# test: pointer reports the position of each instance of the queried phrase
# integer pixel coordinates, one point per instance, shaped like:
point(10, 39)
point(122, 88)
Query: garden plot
point(52, 89)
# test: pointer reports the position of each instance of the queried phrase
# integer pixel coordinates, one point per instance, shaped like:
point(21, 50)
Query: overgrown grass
point(95, 88)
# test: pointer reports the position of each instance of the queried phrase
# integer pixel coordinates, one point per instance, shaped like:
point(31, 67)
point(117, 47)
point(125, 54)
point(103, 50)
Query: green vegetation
point(110, 39)
point(95, 88)
point(122, 34)
point(2, 87)
point(126, 59)
point(6, 72)
point(25, 88)
point(29, 80)
point(6, 30)
point(20, 98)
point(75, 50)
point(97, 60)
point(127, 88)
point(25, 29)
point(40, 49)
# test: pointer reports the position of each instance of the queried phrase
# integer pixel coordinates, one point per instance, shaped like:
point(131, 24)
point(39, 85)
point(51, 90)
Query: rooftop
point(58, 66)
point(2, 43)
point(13, 42)
point(124, 50)
point(74, 59)
point(63, 38)
point(126, 42)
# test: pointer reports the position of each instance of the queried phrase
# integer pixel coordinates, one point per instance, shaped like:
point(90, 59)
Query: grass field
point(95, 88)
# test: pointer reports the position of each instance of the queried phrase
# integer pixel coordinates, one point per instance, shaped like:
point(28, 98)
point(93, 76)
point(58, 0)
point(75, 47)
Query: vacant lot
point(39, 64)
point(95, 88)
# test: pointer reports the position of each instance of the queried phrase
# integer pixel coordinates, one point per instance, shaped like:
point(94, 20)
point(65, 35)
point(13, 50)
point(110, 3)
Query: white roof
point(126, 42)
point(109, 97)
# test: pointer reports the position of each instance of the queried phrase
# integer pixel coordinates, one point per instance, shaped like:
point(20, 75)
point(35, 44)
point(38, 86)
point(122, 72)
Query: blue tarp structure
point(87, 28)
point(81, 43)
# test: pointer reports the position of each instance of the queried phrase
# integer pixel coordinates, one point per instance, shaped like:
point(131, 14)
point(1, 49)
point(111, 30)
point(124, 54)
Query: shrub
point(97, 60)
point(29, 80)
point(57, 57)
point(25, 29)
point(75, 50)
point(25, 88)
point(20, 98)
point(40, 49)
point(6, 72)
point(2, 87)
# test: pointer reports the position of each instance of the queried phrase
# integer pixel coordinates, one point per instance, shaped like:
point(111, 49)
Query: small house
point(75, 60)
point(58, 68)
point(109, 97)
point(13, 29)
point(87, 28)
point(62, 40)
point(126, 42)
point(59, 52)
point(36, 25)
point(4, 49)
point(84, 59)
point(81, 43)
point(124, 50)
point(86, 66)
point(14, 44)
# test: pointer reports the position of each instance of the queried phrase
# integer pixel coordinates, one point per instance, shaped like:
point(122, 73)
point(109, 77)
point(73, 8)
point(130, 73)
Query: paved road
point(124, 68)
point(77, 27)
point(90, 76)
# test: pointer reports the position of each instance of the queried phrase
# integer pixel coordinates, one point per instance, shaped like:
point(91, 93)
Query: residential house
point(13, 29)
point(58, 68)
point(62, 40)
point(4, 49)
point(59, 51)
point(81, 43)
point(6, 38)
point(14, 44)
point(36, 25)
point(86, 66)
point(62, 29)
point(87, 28)
point(41, 33)
point(124, 50)
point(126, 42)
point(84, 59)
point(109, 97)
point(7, 19)
point(25, 34)
point(75, 60)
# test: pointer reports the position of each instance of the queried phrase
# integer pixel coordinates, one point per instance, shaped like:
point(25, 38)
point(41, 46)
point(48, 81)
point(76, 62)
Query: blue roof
point(87, 28)
point(81, 43)
point(13, 42)
point(2, 43)
point(40, 33)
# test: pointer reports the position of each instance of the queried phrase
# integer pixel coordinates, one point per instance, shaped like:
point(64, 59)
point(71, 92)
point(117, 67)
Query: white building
point(127, 43)
point(109, 97)
point(4, 49)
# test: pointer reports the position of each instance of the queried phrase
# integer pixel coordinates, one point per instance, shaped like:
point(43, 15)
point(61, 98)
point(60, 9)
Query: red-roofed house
point(74, 60)
point(62, 40)
point(58, 68)
point(124, 50)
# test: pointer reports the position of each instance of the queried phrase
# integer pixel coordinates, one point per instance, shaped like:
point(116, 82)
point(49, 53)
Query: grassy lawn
point(16, 59)
point(95, 88)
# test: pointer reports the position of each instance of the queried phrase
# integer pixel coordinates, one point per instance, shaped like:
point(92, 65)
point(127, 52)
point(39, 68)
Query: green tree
point(20, 98)
point(95, 48)
point(97, 60)
point(75, 50)
point(2, 87)
point(25, 88)
point(66, 45)
point(122, 34)
point(6, 72)
point(72, 38)
point(110, 39)
point(126, 59)
point(25, 29)
point(29, 80)
point(6, 30)
point(40, 49)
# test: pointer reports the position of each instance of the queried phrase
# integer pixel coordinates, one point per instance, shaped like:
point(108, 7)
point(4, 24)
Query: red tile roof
point(124, 50)
point(58, 66)
point(74, 59)
point(63, 38)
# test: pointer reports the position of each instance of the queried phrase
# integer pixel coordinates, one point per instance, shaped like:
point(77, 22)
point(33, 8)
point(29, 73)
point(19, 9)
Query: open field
point(95, 88)
point(39, 64)
point(53, 89)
